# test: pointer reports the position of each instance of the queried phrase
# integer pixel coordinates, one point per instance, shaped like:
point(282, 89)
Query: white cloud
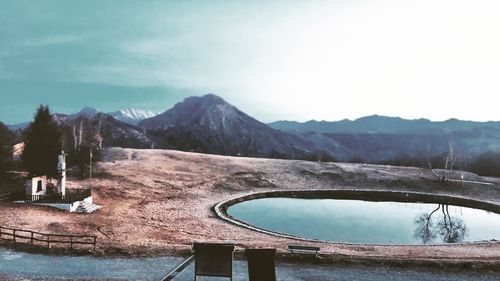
point(316, 59)
point(59, 39)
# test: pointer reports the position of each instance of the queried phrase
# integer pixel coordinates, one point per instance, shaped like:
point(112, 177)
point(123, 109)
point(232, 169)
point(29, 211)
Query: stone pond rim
point(349, 194)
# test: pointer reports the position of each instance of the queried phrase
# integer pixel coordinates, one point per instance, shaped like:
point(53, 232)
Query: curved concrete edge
point(221, 211)
point(352, 194)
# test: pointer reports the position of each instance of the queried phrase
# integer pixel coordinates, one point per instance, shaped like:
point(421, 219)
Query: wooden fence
point(45, 239)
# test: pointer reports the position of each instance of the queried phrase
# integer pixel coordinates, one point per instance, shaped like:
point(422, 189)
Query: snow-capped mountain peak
point(137, 113)
point(132, 115)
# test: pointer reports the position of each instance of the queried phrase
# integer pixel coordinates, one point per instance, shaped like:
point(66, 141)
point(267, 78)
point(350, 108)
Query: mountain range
point(381, 139)
point(209, 124)
point(82, 128)
point(130, 116)
point(376, 124)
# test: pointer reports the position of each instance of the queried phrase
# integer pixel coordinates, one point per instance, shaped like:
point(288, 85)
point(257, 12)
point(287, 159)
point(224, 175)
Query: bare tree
point(80, 132)
point(449, 229)
point(450, 159)
point(449, 162)
point(97, 136)
point(75, 138)
point(425, 226)
point(429, 156)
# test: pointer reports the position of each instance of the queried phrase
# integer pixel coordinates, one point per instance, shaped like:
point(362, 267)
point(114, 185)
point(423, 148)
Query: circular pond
point(356, 221)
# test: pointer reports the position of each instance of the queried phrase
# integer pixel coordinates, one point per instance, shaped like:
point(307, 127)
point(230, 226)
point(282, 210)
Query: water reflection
point(356, 221)
point(449, 229)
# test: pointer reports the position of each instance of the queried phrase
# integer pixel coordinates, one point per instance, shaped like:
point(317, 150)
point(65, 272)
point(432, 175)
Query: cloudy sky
point(295, 60)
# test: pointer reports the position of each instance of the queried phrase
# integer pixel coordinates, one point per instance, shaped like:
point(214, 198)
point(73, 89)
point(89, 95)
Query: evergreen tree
point(42, 145)
point(5, 148)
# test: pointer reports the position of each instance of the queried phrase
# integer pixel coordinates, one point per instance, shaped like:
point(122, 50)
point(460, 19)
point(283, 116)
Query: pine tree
point(5, 148)
point(42, 145)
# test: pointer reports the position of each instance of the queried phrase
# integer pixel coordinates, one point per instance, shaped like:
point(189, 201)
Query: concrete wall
point(75, 205)
point(67, 207)
point(32, 184)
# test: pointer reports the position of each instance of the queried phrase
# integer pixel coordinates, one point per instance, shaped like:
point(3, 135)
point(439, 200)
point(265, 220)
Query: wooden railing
point(5, 196)
point(70, 197)
point(17, 195)
point(45, 239)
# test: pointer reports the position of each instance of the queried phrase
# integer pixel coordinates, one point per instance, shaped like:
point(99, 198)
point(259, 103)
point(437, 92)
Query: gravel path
point(24, 266)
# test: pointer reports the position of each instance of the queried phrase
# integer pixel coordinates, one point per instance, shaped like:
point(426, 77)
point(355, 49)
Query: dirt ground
point(158, 202)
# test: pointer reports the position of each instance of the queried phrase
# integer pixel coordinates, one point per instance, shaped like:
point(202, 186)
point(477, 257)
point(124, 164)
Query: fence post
point(48, 238)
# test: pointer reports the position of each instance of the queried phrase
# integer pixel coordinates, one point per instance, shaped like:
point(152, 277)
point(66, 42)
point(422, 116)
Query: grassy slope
point(159, 202)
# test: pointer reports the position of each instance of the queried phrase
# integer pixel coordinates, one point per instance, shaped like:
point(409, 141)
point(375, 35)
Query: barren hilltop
point(158, 202)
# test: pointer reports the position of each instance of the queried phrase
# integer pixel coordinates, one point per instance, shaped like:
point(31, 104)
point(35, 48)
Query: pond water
point(356, 221)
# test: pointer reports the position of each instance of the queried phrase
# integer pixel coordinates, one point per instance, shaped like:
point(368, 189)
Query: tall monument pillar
point(61, 167)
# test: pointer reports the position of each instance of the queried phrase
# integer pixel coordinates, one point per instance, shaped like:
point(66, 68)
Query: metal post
point(31, 240)
point(71, 242)
point(48, 241)
point(90, 163)
point(14, 235)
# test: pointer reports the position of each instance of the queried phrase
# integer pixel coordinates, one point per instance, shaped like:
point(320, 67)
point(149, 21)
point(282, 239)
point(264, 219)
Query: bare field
point(157, 202)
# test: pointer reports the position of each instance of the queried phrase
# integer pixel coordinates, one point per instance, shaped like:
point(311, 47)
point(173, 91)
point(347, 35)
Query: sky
point(275, 60)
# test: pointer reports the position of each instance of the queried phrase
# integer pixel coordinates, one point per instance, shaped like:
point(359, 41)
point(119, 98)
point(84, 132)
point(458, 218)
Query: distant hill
point(18, 127)
point(376, 139)
point(87, 112)
point(376, 124)
point(211, 125)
